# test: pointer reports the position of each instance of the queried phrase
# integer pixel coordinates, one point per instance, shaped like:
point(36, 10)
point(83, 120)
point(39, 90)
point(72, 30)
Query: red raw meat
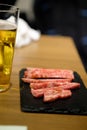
point(51, 84)
point(64, 85)
point(52, 94)
point(48, 73)
point(29, 80)
point(37, 92)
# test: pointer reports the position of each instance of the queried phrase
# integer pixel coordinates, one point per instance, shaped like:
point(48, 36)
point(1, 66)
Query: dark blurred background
point(57, 17)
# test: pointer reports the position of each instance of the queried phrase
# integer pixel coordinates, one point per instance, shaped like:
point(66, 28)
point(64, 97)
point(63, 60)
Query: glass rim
point(11, 8)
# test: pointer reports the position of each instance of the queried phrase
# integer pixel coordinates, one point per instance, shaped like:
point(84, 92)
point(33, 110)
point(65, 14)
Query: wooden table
point(48, 52)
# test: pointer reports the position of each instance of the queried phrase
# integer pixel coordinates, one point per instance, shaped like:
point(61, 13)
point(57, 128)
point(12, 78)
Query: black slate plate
point(76, 104)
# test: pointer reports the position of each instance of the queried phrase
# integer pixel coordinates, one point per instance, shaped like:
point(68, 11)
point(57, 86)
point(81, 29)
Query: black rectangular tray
point(76, 104)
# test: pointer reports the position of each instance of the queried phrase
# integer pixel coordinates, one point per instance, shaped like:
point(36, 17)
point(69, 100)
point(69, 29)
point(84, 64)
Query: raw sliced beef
point(51, 84)
point(29, 80)
point(48, 73)
point(64, 85)
point(52, 94)
point(37, 92)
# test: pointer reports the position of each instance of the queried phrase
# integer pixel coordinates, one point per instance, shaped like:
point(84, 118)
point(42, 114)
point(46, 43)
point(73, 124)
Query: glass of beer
point(8, 28)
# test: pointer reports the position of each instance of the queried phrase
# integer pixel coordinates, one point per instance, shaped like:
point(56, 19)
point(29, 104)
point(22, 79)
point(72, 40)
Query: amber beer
point(7, 44)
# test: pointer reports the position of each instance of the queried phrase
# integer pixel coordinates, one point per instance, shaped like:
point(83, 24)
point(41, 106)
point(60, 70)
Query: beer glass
point(8, 28)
